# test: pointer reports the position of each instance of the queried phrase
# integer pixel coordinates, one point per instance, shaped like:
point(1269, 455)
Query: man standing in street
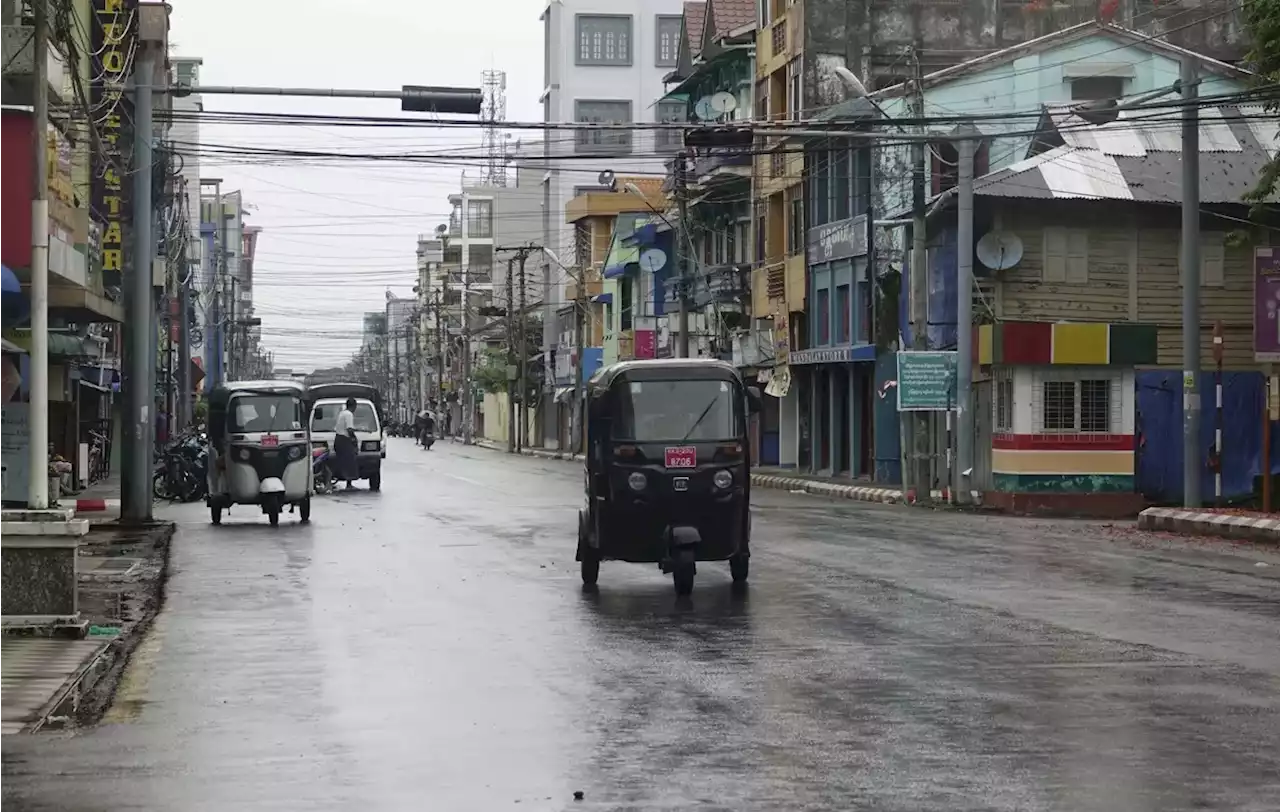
point(345, 443)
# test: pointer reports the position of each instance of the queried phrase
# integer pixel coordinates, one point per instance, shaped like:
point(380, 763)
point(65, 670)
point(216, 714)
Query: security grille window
point(1071, 405)
point(672, 112)
point(603, 112)
point(667, 42)
point(1059, 406)
point(762, 98)
point(1004, 402)
point(1095, 406)
point(604, 39)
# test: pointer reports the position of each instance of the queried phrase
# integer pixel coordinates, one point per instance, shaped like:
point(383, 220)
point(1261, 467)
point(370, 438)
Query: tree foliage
point(490, 373)
point(1262, 18)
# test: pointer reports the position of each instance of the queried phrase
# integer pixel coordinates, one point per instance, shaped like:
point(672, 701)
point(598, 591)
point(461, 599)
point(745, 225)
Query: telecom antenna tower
point(493, 111)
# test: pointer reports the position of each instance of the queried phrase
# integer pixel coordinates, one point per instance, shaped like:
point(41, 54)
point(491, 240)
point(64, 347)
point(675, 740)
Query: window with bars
point(670, 112)
point(1071, 405)
point(777, 163)
point(762, 98)
point(603, 112)
point(1004, 403)
point(667, 42)
point(604, 39)
point(779, 37)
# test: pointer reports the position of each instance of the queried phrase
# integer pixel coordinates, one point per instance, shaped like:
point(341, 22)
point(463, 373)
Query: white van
point(371, 448)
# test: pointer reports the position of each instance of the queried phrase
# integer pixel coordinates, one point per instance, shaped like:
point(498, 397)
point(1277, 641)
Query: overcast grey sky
point(337, 236)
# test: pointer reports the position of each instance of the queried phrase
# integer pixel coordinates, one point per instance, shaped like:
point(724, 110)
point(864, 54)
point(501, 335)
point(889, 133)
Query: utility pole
point(140, 328)
point(468, 407)
point(1190, 286)
point(523, 350)
point(919, 474)
point(439, 352)
point(964, 321)
point(511, 358)
point(184, 341)
point(580, 325)
point(682, 252)
point(38, 407)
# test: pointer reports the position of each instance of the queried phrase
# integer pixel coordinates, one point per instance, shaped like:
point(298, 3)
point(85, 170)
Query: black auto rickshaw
point(668, 468)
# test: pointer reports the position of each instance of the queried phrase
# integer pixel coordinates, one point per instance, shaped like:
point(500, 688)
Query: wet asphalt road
point(430, 647)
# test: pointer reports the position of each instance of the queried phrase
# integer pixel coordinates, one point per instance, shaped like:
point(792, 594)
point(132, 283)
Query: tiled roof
point(732, 14)
point(694, 14)
point(1138, 157)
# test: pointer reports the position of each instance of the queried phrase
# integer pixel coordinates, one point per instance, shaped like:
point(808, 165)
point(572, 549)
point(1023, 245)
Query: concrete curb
point(783, 483)
point(858, 493)
point(1203, 523)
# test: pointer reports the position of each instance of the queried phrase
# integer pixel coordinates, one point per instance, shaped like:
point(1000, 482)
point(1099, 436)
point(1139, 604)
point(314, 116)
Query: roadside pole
point(523, 350)
point(919, 476)
point(682, 253)
point(511, 357)
point(38, 405)
point(1190, 287)
point(135, 481)
point(965, 424)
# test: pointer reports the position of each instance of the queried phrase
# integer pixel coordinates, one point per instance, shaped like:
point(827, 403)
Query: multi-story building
point(800, 45)
point(402, 359)
point(226, 289)
point(604, 61)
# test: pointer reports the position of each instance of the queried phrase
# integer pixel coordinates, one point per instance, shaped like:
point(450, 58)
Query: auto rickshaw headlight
point(722, 479)
point(295, 452)
point(243, 454)
point(637, 481)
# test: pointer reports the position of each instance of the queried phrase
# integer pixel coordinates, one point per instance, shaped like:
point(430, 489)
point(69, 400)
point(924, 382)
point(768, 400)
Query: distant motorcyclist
point(424, 426)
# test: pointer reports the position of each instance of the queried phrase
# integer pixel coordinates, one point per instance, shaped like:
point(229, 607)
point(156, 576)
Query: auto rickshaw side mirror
point(755, 403)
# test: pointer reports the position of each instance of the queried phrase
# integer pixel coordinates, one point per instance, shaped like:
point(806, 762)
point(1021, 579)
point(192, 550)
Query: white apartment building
point(185, 132)
point(603, 62)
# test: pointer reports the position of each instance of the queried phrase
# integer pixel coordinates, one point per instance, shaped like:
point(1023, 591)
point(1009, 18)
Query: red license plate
point(269, 440)
point(682, 456)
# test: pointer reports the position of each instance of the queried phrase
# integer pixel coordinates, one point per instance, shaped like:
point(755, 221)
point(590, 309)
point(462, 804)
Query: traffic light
point(740, 137)
point(461, 101)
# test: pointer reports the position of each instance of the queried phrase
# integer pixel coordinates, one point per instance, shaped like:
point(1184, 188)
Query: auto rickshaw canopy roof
point(692, 369)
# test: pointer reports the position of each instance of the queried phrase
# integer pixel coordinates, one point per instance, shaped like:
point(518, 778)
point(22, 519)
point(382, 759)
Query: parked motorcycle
point(180, 473)
point(322, 470)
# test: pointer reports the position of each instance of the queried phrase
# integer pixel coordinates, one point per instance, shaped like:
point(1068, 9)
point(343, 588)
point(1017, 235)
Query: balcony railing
point(712, 161)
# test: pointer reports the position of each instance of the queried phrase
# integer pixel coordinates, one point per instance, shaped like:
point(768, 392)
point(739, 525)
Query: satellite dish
point(723, 102)
point(653, 260)
point(704, 109)
point(606, 179)
point(999, 250)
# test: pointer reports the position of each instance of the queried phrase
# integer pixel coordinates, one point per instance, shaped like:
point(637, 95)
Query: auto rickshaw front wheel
point(739, 566)
point(215, 513)
point(304, 510)
point(590, 569)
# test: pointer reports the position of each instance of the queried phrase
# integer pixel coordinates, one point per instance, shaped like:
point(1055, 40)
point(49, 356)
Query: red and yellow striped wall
point(1042, 463)
point(1065, 343)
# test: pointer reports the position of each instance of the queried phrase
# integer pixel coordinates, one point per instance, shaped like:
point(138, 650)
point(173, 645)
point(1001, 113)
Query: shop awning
point(9, 346)
point(603, 298)
point(563, 394)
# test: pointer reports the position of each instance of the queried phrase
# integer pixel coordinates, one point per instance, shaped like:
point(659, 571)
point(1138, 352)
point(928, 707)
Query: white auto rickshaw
point(259, 448)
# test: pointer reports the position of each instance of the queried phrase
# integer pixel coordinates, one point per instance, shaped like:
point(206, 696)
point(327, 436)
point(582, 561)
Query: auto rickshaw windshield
point(264, 413)
point(325, 416)
point(677, 411)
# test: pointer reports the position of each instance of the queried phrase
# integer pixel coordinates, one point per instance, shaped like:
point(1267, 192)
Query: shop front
point(835, 373)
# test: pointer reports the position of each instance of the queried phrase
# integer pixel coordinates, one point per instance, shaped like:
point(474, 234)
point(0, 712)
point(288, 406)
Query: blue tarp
point(1159, 423)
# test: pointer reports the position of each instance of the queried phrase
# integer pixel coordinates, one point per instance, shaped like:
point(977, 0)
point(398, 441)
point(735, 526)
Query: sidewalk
point(98, 502)
point(773, 478)
point(1239, 524)
point(46, 680)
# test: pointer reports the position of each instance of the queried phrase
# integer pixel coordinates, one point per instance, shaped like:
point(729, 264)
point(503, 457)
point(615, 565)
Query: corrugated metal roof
point(1139, 157)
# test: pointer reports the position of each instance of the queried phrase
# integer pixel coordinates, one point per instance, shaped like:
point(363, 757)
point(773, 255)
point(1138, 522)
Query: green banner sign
point(926, 381)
